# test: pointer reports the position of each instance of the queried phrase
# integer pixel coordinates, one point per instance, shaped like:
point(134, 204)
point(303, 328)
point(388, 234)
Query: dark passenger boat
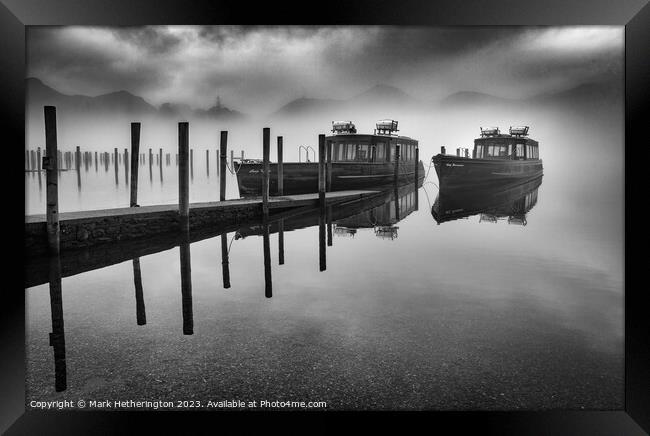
point(358, 161)
point(496, 159)
point(509, 201)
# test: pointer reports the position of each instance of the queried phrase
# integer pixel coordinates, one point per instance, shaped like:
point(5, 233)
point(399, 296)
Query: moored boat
point(358, 161)
point(497, 158)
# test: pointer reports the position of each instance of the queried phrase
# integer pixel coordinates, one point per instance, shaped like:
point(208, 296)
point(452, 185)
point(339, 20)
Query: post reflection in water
point(268, 285)
point(322, 255)
point(225, 268)
point(281, 242)
point(492, 204)
point(57, 336)
point(186, 286)
point(329, 226)
point(141, 315)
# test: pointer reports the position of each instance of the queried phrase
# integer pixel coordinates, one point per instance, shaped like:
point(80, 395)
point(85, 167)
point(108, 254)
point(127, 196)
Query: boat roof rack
point(386, 127)
point(519, 130)
point(343, 127)
point(489, 131)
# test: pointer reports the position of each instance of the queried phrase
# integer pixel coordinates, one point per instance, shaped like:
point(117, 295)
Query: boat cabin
point(514, 146)
point(380, 147)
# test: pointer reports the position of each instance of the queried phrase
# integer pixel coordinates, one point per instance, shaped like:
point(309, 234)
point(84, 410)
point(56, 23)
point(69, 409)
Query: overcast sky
point(258, 69)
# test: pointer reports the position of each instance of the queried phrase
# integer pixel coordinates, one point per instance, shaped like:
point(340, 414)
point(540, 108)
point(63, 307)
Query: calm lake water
point(479, 312)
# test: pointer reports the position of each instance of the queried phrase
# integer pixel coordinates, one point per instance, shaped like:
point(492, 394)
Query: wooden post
point(186, 286)
point(38, 159)
point(117, 182)
point(57, 337)
point(321, 170)
point(442, 149)
point(224, 261)
point(242, 155)
point(223, 144)
point(106, 160)
point(280, 170)
point(52, 194)
point(266, 137)
point(268, 284)
point(135, 154)
point(281, 242)
point(161, 163)
point(140, 313)
point(329, 166)
point(95, 161)
point(126, 166)
point(207, 162)
point(183, 175)
point(78, 158)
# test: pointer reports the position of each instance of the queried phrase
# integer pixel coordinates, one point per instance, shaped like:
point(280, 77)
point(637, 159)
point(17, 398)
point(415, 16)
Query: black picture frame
point(633, 14)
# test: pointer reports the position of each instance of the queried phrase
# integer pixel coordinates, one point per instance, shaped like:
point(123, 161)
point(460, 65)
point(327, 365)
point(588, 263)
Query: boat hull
point(302, 178)
point(454, 171)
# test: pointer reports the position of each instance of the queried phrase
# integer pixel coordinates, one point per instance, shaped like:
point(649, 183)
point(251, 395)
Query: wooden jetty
point(93, 227)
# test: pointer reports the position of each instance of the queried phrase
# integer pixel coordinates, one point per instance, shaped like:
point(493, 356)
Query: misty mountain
point(472, 98)
point(376, 97)
point(122, 102)
point(588, 96)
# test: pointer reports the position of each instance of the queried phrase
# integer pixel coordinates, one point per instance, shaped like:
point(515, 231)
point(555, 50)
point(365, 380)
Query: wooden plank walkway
point(280, 202)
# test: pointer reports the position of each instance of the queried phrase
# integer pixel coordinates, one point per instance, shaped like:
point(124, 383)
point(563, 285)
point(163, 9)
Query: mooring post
point(135, 154)
point(223, 144)
point(95, 161)
point(280, 170)
point(140, 314)
point(106, 160)
point(57, 337)
point(225, 269)
point(207, 162)
point(186, 286)
point(268, 284)
point(52, 193)
point(183, 175)
point(417, 175)
point(117, 182)
point(160, 154)
point(78, 158)
point(126, 166)
point(329, 166)
point(242, 155)
point(281, 241)
point(266, 151)
point(321, 170)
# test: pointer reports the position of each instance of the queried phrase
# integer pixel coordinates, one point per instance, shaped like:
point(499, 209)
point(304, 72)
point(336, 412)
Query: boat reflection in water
point(379, 214)
point(509, 202)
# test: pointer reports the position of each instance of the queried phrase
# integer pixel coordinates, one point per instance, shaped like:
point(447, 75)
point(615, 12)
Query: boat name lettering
point(454, 165)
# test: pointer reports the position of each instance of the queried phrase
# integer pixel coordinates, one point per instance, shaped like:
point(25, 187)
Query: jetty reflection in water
point(510, 202)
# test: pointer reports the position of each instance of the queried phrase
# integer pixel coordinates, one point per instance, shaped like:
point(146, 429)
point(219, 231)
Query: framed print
point(422, 209)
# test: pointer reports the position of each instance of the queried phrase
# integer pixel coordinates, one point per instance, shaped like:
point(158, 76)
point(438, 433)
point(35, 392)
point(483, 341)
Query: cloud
point(258, 68)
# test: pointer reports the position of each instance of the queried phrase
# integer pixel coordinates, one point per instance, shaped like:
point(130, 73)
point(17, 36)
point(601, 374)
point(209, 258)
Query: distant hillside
point(123, 102)
point(472, 98)
point(376, 97)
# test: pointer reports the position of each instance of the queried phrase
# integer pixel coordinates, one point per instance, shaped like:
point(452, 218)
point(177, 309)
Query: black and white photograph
point(324, 217)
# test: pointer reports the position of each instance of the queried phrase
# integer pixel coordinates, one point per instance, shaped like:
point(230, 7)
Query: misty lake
point(480, 312)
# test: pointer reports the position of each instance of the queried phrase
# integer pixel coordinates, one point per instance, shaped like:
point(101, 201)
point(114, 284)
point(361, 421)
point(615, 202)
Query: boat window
point(363, 152)
point(520, 151)
point(381, 152)
point(339, 151)
point(490, 150)
point(351, 151)
point(392, 152)
point(510, 150)
point(479, 151)
point(503, 151)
